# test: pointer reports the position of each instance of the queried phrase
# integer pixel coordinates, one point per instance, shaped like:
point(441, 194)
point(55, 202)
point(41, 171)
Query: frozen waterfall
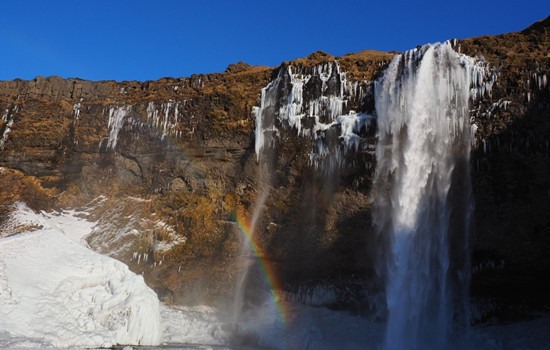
point(315, 102)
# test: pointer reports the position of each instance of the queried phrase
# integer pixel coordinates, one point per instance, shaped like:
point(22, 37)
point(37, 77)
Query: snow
point(171, 238)
point(192, 325)
point(22, 218)
point(56, 292)
point(123, 223)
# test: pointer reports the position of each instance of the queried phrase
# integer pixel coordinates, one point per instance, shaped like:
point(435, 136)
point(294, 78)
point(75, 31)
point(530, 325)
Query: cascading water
point(246, 251)
point(423, 192)
point(264, 171)
point(422, 188)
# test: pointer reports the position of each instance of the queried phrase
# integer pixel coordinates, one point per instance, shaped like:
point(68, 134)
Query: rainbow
point(246, 230)
point(271, 278)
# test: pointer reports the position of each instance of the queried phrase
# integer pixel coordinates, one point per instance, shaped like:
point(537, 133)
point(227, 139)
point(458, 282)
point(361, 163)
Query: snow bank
point(54, 291)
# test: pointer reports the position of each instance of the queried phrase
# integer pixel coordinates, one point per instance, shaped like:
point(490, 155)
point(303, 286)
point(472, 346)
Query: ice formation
point(5, 134)
point(116, 121)
point(7, 118)
point(76, 110)
point(311, 101)
point(167, 118)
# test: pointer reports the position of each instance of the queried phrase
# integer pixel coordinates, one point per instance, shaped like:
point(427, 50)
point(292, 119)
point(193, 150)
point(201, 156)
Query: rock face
point(510, 169)
point(185, 150)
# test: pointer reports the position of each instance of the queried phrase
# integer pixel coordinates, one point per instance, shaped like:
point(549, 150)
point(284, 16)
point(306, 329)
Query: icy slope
point(57, 292)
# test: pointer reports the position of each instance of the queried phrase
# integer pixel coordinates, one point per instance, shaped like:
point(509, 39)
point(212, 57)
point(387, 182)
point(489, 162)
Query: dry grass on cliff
point(363, 65)
point(516, 51)
point(200, 219)
point(14, 186)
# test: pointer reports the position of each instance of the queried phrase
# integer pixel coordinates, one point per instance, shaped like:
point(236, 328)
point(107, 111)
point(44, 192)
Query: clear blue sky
point(144, 40)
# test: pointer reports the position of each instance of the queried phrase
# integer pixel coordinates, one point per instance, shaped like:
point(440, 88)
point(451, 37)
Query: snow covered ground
point(55, 292)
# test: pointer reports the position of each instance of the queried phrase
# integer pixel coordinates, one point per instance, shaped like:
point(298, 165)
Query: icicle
point(76, 110)
point(326, 106)
point(115, 123)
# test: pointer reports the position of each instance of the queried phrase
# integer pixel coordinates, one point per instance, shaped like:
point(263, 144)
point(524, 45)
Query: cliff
point(167, 167)
point(510, 168)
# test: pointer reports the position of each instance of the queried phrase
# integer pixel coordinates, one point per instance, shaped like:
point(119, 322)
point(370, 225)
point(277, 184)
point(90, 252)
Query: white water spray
point(246, 252)
point(423, 191)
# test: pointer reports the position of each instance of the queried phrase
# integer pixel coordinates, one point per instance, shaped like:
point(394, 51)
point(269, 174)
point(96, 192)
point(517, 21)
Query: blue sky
point(147, 40)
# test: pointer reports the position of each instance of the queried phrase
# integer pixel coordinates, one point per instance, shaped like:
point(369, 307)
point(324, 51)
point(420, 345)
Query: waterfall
point(264, 144)
point(423, 193)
